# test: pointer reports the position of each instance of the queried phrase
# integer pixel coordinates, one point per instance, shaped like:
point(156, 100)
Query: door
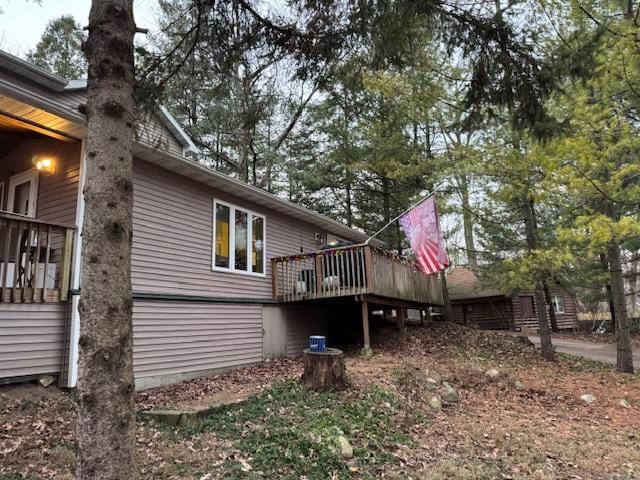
point(23, 193)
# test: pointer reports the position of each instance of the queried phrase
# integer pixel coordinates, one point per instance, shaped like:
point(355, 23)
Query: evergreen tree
point(59, 50)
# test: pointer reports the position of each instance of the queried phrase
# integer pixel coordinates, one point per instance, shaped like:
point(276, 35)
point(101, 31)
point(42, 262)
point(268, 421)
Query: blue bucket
point(317, 343)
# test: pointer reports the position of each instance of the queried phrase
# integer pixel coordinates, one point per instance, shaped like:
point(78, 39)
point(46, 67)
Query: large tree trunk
point(633, 285)
point(106, 417)
point(623, 334)
point(531, 227)
point(604, 261)
point(546, 348)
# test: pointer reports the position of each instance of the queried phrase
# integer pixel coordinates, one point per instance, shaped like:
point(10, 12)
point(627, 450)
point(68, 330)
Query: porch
point(35, 260)
point(353, 271)
point(39, 178)
point(368, 275)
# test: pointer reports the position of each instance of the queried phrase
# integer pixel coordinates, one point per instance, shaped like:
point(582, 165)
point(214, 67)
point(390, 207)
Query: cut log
point(324, 371)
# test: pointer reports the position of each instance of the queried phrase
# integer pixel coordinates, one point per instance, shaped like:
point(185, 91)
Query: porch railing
point(35, 260)
point(352, 270)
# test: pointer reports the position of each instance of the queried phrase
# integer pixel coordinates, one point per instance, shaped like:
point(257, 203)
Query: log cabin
point(478, 305)
point(224, 274)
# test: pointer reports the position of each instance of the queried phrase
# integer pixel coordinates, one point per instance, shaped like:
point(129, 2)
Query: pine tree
point(105, 431)
point(59, 50)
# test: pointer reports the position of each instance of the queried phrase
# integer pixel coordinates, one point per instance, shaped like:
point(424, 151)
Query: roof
point(32, 72)
point(463, 283)
point(52, 102)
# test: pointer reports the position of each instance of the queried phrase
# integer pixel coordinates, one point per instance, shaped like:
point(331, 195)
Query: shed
point(475, 303)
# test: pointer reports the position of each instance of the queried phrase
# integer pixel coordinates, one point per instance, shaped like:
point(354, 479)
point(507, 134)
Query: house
point(487, 308)
point(223, 274)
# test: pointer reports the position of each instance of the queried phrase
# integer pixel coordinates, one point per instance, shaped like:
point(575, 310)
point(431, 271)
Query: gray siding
point(153, 132)
point(173, 339)
point(172, 238)
point(31, 338)
point(58, 193)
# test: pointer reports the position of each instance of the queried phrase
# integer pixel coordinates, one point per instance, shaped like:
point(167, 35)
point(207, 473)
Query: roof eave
point(199, 173)
point(31, 72)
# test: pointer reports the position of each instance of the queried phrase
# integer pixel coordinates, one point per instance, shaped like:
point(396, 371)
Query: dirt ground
point(541, 430)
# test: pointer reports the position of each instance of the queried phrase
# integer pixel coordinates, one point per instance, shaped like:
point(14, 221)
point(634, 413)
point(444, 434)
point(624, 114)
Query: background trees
point(60, 49)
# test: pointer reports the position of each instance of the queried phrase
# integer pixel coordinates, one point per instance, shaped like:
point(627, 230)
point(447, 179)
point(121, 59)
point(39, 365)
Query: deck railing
point(352, 270)
point(35, 260)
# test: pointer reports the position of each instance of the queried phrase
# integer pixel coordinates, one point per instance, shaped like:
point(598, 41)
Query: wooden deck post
point(366, 349)
point(401, 318)
point(65, 274)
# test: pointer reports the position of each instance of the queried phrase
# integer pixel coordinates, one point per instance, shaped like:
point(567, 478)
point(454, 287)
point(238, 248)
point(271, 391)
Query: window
point(239, 239)
point(23, 193)
point(558, 303)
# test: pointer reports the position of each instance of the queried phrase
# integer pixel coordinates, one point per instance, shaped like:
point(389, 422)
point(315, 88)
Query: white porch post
point(74, 332)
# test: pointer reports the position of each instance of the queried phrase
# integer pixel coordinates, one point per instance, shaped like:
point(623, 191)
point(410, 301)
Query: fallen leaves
point(541, 431)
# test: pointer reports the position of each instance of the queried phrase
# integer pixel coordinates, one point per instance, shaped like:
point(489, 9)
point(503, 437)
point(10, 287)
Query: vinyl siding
point(151, 131)
point(58, 193)
point(172, 238)
point(174, 338)
point(31, 338)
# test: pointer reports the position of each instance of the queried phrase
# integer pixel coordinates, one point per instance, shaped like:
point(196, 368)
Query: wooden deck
point(361, 271)
point(35, 260)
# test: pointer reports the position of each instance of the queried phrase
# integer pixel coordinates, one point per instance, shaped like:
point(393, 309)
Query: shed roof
point(463, 283)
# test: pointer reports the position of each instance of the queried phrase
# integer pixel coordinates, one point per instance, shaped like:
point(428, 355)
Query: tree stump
point(324, 371)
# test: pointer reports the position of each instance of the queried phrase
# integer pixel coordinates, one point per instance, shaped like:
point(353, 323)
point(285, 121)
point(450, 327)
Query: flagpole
point(397, 217)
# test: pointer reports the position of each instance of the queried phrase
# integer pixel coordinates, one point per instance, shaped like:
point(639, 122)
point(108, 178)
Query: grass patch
point(289, 432)
point(582, 364)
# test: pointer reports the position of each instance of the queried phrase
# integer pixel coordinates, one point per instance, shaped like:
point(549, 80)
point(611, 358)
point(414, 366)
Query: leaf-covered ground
point(541, 430)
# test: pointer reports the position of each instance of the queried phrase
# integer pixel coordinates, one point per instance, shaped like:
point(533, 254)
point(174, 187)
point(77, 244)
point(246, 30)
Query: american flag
point(422, 227)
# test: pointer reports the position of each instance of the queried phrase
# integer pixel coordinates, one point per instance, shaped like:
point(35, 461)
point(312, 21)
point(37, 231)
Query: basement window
point(239, 239)
point(558, 303)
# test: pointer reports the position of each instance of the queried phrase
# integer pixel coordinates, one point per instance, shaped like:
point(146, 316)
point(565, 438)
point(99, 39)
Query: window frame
point(32, 176)
point(232, 238)
point(555, 304)
point(2, 192)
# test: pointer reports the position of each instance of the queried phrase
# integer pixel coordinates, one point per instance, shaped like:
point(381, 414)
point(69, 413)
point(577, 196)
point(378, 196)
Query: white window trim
point(232, 240)
point(556, 304)
point(18, 179)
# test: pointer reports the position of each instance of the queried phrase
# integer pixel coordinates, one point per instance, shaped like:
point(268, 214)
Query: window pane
point(222, 236)
point(257, 243)
point(241, 240)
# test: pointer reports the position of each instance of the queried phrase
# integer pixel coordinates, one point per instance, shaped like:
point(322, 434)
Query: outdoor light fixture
point(46, 165)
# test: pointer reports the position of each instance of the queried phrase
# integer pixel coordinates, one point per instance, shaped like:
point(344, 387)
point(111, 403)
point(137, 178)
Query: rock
point(518, 385)
point(434, 377)
point(435, 403)
point(46, 381)
point(449, 394)
point(625, 403)
point(492, 374)
point(588, 398)
point(346, 450)
point(431, 383)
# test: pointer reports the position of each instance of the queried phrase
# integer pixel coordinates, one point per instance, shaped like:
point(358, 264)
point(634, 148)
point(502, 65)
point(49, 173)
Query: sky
point(23, 21)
